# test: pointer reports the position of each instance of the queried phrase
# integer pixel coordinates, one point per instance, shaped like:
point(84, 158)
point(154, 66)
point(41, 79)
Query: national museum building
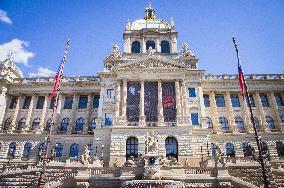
point(150, 102)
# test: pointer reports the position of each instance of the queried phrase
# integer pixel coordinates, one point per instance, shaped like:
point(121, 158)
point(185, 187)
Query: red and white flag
point(59, 72)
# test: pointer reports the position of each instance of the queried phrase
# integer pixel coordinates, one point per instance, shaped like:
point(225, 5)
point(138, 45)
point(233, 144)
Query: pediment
point(151, 64)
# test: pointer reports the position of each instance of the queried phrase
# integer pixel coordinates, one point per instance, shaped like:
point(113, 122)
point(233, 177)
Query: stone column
point(73, 118)
point(117, 101)
point(178, 102)
point(258, 104)
point(30, 111)
point(124, 97)
point(142, 118)
point(88, 114)
point(2, 104)
point(214, 112)
point(158, 48)
point(246, 115)
point(230, 112)
point(202, 107)
point(57, 113)
point(277, 119)
point(16, 114)
point(143, 45)
point(160, 104)
point(184, 109)
point(43, 118)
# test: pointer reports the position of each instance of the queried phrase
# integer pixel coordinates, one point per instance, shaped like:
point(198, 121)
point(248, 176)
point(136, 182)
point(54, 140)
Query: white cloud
point(42, 72)
point(4, 18)
point(21, 55)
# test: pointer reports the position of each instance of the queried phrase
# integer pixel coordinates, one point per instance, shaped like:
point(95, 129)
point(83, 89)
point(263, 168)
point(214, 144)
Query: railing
point(197, 170)
point(106, 171)
point(247, 77)
point(52, 79)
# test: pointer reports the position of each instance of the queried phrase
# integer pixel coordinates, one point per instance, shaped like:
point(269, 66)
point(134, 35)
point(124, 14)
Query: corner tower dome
point(150, 21)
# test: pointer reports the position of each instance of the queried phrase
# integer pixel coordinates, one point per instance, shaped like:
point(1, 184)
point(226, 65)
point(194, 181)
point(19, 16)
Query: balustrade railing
point(247, 77)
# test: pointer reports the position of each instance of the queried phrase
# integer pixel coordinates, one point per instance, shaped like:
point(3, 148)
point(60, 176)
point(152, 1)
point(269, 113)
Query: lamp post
point(102, 159)
point(207, 144)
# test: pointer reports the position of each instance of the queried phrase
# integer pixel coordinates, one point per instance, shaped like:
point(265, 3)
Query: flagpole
point(257, 137)
point(42, 178)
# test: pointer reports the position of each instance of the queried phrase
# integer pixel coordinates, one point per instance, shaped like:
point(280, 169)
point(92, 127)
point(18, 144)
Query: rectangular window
point(110, 93)
point(220, 101)
point(206, 100)
point(13, 103)
point(191, 92)
point(194, 119)
point(27, 102)
point(251, 100)
point(68, 102)
point(282, 118)
point(108, 119)
point(96, 101)
point(278, 99)
point(40, 102)
point(83, 101)
point(235, 100)
point(264, 100)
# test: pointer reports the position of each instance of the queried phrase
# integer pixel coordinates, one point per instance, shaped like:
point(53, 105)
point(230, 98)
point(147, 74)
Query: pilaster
point(214, 112)
point(231, 116)
point(142, 118)
point(274, 107)
point(16, 114)
point(88, 114)
point(30, 111)
point(246, 115)
point(160, 104)
point(42, 117)
point(117, 99)
point(260, 110)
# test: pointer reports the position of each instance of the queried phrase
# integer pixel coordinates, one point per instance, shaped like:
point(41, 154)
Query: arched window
point(213, 150)
point(131, 147)
point(150, 43)
point(224, 124)
point(48, 124)
point(93, 124)
point(58, 150)
point(230, 151)
point(171, 147)
point(42, 148)
point(256, 122)
point(91, 149)
point(264, 149)
point(209, 123)
point(240, 124)
point(79, 124)
point(74, 150)
point(7, 124)
point(135, 48)
point(12, 150)
point(35, 124)
point(270, 122)
point(21, 124)
point(247, 149)
point(165, 47)
point(27, 150)
point(280, 149)
point(64, 125)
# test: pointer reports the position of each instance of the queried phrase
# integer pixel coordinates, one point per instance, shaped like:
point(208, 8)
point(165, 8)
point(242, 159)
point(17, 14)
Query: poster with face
point(108, 119)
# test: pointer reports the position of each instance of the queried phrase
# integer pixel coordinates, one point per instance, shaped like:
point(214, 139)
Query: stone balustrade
point(247, 77)
point(52, 79)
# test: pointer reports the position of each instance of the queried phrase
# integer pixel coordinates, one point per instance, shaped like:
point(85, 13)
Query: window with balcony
point(150, 43)
point(12, 150)
point(27, 150)
point(165, 47)
point(96, 101)
point(209, 123)
point(264, 100)
point(68, 102)
point(230, 151)
point(74, 150)
point(27, 102)
point(194, 119)
point(224, 124)
point(251, 100)
point(21, 124)
point(13, 103)
point(235, 100)
point(40, 102)
point(35, 124)
point(240, 124)
point(64, 125)
point(58, 150)
point(278, 99)
point(131, 147)
point(220, 101)
point(270, 122)
point(79, 124)
point(206, 100)
point(83, 101)
point(108, 119)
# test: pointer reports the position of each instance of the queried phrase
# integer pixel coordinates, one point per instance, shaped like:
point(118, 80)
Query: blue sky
point(38, 29)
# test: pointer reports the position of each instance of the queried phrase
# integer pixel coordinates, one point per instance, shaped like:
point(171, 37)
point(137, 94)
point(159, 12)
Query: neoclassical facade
point(152, 86)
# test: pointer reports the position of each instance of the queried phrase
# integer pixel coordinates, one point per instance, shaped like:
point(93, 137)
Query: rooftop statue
point(115, 53)
point(85, 157)
point(186, 52)
point(128, 26)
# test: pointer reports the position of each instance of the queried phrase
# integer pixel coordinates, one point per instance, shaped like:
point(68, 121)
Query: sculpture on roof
point(128, 26)
point(186, 52)
point(172, 23)
point(115, 53)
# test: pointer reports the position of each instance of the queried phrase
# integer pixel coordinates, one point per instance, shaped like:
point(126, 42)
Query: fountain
point(152, 177)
